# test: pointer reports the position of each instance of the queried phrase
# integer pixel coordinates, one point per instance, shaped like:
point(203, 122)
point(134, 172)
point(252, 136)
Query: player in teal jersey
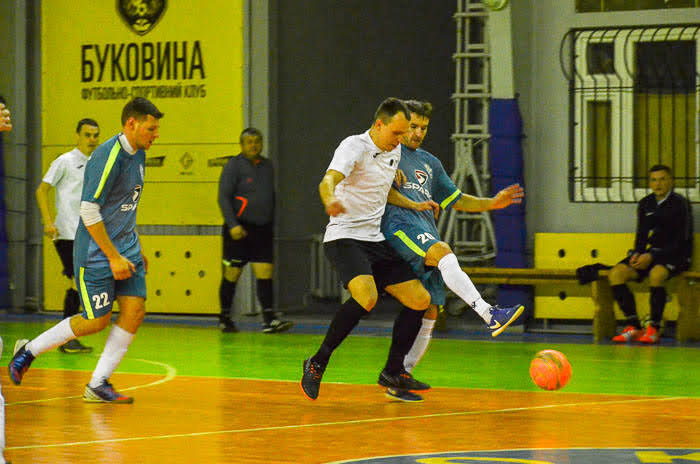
point(411, 230)
point(108, 262)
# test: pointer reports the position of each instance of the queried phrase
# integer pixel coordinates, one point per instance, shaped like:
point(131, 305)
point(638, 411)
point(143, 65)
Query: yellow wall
point(85, 75)
point(183, 274)
point(93, 63)
point(579, 250)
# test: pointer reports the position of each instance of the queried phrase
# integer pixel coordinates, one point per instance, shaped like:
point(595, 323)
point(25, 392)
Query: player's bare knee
point(618, 274)
point(137, 315)
point(658, 275)
point(365, 296)
point(418, 300)
point(82, 326)
point(364, 291)
point(424, 300)
point(367, 301)
point(436, 252)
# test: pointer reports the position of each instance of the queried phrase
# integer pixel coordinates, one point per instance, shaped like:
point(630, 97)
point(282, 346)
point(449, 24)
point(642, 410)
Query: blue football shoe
point(20, 362)
point(502, 317)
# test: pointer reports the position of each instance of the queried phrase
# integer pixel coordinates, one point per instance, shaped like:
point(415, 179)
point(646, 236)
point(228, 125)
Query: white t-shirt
point(369, 173)
point(66, 175)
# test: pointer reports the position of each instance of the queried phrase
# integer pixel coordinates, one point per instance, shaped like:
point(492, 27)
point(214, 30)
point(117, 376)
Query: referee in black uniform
point(247, 202)
point(663, 248)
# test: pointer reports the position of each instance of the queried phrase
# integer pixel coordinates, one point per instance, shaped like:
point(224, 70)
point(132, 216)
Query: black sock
point(342, 324)
point(268, 316)
point(264, 290)
point(227, 290)
point(657, 301)
point(71, 303)
point(625, 299)
point(406, 327)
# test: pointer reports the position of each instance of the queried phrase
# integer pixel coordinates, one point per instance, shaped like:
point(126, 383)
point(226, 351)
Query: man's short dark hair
point(250, 132)
point(139, 108)
point(86, 122)
point(421, 108)
point(660, 167)
point(389, 108)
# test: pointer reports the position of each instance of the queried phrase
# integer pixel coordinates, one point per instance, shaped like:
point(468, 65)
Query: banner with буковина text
point(186, 57)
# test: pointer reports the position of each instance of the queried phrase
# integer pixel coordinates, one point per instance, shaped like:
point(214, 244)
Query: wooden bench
point(604, 323)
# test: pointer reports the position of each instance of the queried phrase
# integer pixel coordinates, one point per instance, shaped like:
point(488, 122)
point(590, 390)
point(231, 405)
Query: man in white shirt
point(354, 192)
point(66, 175)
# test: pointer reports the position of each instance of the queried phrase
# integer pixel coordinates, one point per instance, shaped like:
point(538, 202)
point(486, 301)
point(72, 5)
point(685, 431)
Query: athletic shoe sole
point(403, 395)
point(513, 318)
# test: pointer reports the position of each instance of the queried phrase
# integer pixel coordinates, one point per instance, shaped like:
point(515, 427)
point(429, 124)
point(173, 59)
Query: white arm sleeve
point(90, 213)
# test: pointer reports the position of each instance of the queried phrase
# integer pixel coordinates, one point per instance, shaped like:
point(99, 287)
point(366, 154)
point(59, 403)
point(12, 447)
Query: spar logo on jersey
point(134, 198)
point(421, 176)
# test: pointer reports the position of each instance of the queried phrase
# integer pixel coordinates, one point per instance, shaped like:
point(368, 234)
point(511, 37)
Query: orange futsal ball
point(550, 370)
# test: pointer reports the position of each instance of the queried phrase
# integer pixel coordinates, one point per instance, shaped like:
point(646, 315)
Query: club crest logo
point(141, 15)
point(421, 176)
point(136, 194)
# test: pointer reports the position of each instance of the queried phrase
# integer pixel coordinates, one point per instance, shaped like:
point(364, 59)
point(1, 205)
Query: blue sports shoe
point(503, 317)
point(20, 362)
point(105, 393)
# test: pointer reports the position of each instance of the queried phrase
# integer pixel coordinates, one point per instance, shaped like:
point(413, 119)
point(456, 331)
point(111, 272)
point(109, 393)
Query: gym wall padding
point(506, 156)
point(183, 274)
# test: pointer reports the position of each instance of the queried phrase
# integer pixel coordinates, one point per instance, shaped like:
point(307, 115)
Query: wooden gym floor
point(206, 397)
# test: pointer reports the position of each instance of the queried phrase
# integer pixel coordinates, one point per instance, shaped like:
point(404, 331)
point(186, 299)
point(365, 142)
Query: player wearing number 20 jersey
point(411, 233)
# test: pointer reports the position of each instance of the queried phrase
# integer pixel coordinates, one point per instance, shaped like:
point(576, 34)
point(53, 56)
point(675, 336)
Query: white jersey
point(66, 175)
point(369, 173)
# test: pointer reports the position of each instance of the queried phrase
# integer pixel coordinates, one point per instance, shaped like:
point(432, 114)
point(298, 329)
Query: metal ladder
point(471, 235)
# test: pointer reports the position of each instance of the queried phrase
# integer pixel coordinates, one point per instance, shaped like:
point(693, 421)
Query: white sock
point(55, 336)
point(116, 346)
point(460, 283)
point(419, 345)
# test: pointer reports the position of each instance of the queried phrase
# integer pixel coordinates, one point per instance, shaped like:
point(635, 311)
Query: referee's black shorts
point(65, 252)
point(256, 247)
point(356, 257)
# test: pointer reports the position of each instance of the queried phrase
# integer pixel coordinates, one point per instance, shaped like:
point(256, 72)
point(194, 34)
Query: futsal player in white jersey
point(354, 193)
point(66, 175)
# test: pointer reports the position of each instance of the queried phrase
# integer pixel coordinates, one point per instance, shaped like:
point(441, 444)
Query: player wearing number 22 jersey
point(114, 178)
point(411, 233)
point(107, 259)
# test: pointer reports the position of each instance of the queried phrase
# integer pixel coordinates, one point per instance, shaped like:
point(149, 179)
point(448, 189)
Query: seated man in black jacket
point(663, 247)
point(247, 201)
